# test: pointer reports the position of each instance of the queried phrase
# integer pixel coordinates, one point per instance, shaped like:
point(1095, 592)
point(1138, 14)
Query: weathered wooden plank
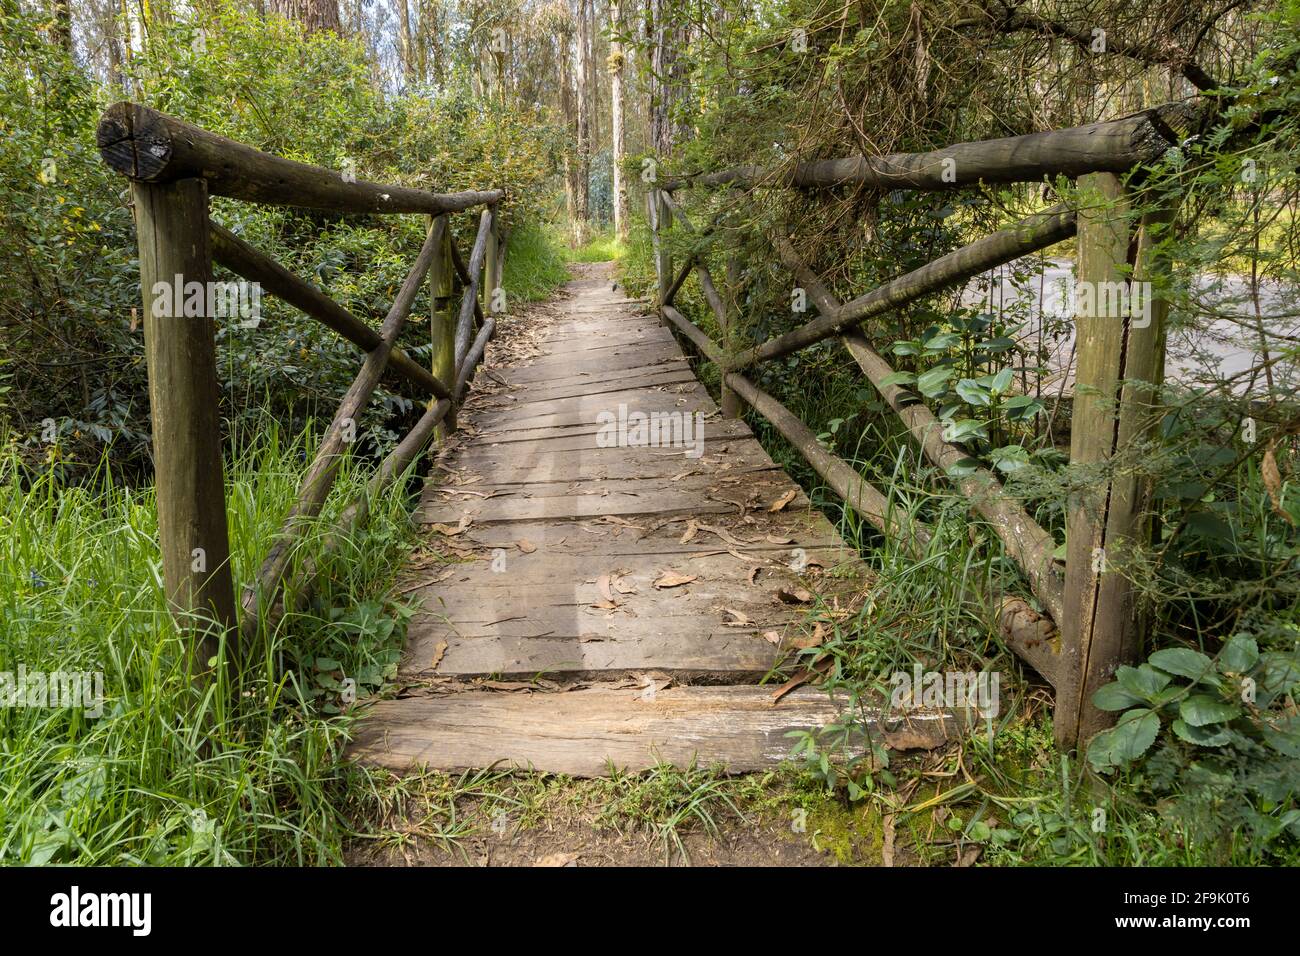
point(584, 732)
point(695, 494)
point(549, 485)
point(774, 535)
point(504, 415)
point(543, 392)
point(623, 359)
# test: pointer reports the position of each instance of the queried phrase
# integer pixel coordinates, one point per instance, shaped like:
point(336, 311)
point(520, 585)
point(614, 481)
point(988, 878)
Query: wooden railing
point(1120, 368)
point(174, 167)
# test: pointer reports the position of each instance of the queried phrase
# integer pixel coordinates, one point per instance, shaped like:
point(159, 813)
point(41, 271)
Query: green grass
point(168, 774)
point(536, 263)
point(603, 247)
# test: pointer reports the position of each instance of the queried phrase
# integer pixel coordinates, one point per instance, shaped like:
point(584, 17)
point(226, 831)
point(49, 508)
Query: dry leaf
point(738, 618)
point(438, 651)
point(777, 539)
point(753, 573)
point(820, 666)
point(772, 637)
point(558, 859)
point(691, 528)
point(1272, 477)
point(449, 531)
point(815, 639)
point(674, 579)
point(784, 500)
point(526, 546)
point(793, 595)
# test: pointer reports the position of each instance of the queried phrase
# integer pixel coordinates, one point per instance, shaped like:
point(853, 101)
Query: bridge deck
point(596, 594)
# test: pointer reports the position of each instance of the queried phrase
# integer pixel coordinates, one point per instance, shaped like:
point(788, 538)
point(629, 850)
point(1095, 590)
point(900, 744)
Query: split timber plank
point(651, 378)
point(583, 732)
point(695, 494)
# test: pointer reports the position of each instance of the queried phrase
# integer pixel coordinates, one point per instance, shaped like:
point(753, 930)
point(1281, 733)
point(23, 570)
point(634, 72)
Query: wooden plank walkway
point(598, 595)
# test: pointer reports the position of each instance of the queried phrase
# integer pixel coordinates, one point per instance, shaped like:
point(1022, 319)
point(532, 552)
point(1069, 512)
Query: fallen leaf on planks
point(724, 534)
point(449, 531)
point(793, 595)
point(603, 585)
point(438, 651)
point(819, 667)
point(753, 573)
point(815, 639)
point(691, 528)
point(738, 618)
point(621, 522)
point(674, 579)
point(526, 546)
point(784, 500)
point(772, 637)
point(558, 859)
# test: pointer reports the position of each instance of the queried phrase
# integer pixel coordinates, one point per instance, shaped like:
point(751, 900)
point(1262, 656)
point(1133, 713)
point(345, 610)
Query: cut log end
point(132, 145)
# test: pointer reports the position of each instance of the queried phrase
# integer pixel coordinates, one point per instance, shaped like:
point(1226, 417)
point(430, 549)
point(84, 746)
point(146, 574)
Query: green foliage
point(71, 342)
point(1227, 727)
point(535, 262)
point(249, 773)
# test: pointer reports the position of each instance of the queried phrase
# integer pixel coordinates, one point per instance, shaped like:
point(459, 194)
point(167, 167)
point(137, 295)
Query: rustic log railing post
point(175, 276)
point(442, 319)
point(660, 220)
point(730, 401)
point(1120, 369)
point(491, 265)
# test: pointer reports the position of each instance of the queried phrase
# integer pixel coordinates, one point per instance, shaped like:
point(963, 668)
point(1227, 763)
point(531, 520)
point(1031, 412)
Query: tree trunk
point(661, 137)
point(582, 174)
point(315, 15)
point(618, 147)
point(567, 108)
point(408, 52)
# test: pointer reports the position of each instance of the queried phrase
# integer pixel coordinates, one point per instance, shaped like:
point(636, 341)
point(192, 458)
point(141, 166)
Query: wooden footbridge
point(611, 565)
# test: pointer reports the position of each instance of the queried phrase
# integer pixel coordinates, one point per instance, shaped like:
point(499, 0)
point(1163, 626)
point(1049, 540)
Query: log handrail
point(151, 147)
point(1097, 153)
point(1112, 146)
point(174, 167)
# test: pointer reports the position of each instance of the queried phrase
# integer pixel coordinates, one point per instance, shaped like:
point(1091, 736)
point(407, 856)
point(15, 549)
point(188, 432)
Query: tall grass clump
point(173, 772)
point(535, 263)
